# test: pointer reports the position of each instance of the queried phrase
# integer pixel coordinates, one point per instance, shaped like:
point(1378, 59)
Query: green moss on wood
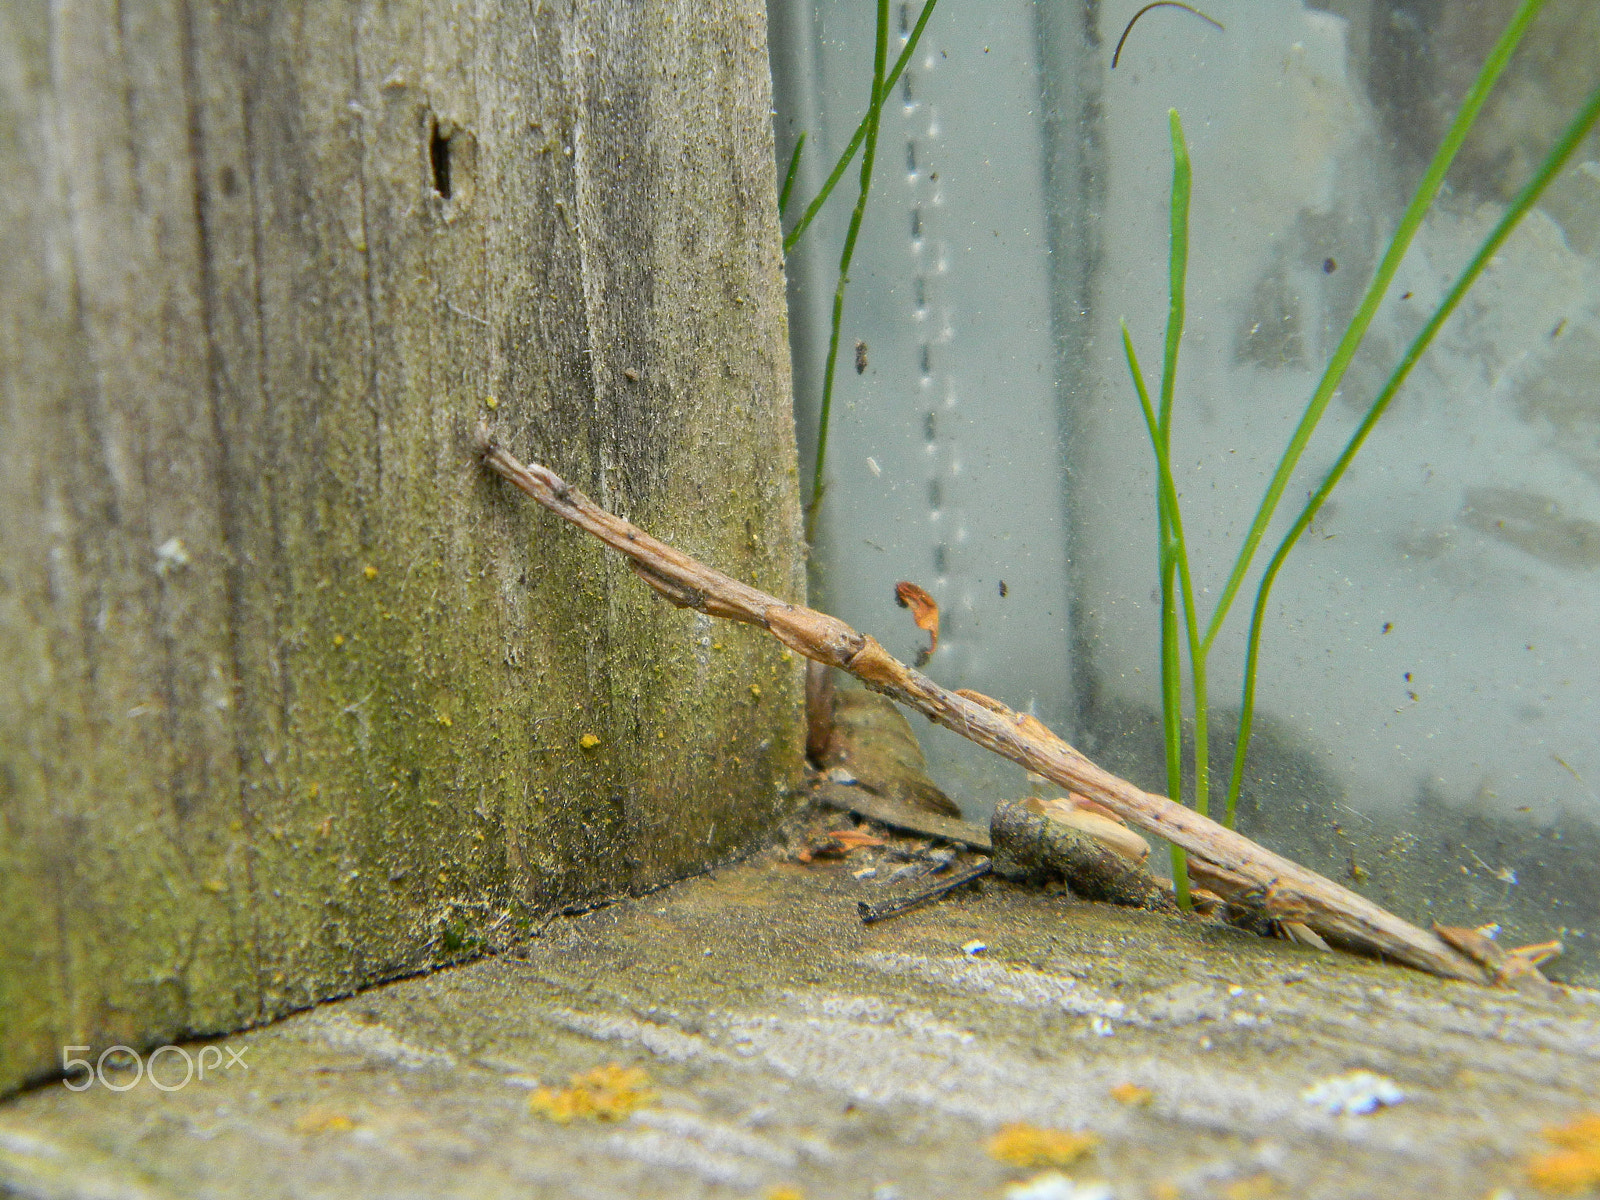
point(333, 732)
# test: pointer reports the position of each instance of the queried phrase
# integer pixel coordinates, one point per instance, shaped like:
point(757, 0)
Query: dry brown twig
point(1286, 890)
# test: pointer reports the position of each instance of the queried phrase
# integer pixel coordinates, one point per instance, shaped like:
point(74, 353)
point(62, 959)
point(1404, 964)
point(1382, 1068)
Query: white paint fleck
point(1353, 1092)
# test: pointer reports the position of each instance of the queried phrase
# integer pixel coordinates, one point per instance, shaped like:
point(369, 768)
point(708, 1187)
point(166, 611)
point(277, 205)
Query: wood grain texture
point(297, 700)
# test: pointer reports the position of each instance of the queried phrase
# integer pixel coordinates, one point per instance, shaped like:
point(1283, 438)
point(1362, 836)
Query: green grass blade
point(880, 54)
point(1171, 693)
point(792, 238)
point(1171, 677)
point(1173, 556)
point(788, 178)
point(1570, 139)
point(1177, 290)
point(1410, 221)
point(1177, 269)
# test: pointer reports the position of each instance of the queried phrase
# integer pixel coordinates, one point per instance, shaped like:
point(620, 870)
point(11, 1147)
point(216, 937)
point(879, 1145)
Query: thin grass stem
point(1167, 546)
point(1410, 221)
point(880, 53)
point(1170, 535)
point(1569, 141)
point(1173, 554)
point(792, 238)
point(789, 176)
point(1177, 291)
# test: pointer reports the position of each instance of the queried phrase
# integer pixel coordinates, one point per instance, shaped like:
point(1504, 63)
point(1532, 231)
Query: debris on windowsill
point(860, 738)
point(1053, 1185)
point(1355, 1092)
point(1517, 967)
point(1032, 844)
point(1288, 892)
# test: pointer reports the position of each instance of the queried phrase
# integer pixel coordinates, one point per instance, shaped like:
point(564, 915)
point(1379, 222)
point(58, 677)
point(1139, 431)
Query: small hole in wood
point(439, 158)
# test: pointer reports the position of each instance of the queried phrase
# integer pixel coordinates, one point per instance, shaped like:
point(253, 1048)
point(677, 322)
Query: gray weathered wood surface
point(790, 1046)
point(296, 698)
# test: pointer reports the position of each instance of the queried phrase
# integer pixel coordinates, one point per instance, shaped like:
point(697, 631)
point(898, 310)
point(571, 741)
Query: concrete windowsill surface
point(788, 1045)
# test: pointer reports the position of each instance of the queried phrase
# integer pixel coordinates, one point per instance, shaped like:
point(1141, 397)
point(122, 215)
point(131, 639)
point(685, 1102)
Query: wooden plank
point(296, 699)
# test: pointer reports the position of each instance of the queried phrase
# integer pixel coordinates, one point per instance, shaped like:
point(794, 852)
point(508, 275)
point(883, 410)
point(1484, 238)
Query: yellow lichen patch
point(323, 1120)
point(1030, 1146)
point(784, 1191)
point(606, 1093)
point(1132, 1095)
point(1575, 1165)
point(588, 741)
point(1261, 1186)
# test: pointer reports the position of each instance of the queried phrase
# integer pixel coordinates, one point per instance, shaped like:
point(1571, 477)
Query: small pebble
point(1053, 1185)
point(1353, 1092)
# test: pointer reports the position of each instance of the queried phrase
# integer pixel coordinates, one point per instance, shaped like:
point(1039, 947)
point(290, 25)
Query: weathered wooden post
point(295, 698)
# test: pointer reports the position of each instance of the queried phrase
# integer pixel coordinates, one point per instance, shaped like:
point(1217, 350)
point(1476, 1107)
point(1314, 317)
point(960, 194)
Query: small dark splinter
point(871, 913)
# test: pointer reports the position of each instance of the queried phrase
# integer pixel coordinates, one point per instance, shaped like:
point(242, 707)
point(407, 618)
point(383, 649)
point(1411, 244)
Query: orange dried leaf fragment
point(1023, 1145)
point(854, 839)
point(836, 843)
point(924, 611)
